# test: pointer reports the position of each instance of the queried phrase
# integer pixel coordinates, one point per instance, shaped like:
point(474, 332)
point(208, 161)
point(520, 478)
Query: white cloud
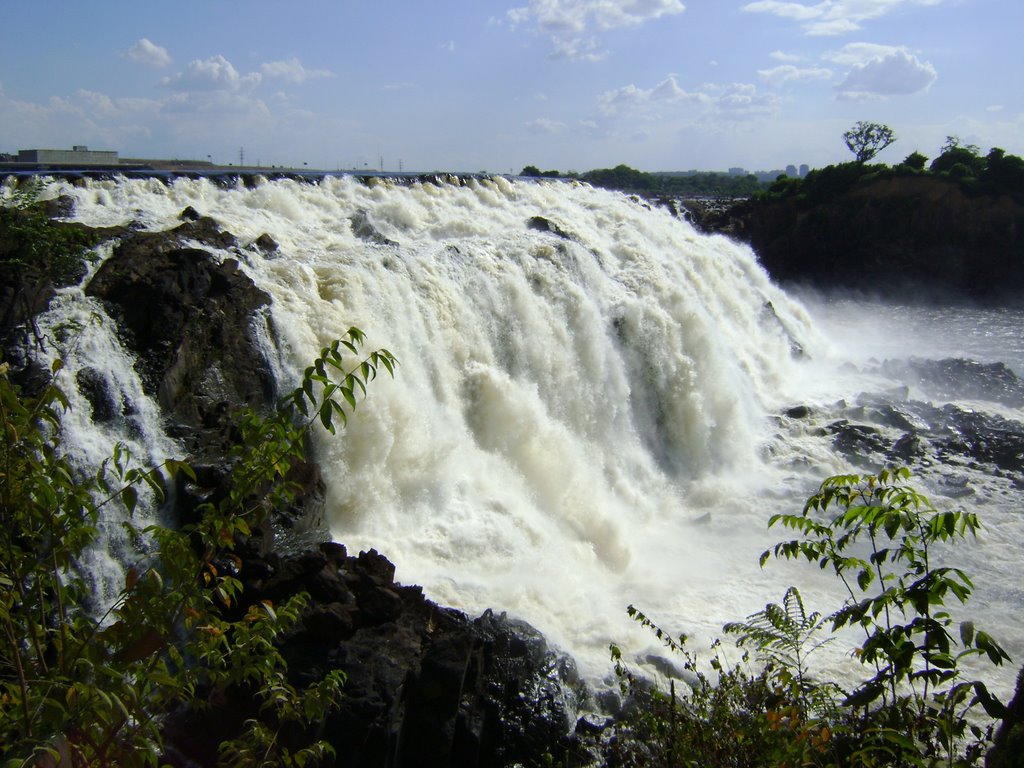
point(152, 55)
point(213, 74)
point(895, 74)
point(832, 17)
point(632, 98)
point(577, 16)
point(569, 23)
point(731, 101)
point(546, 126)
point(796, 11)
point(292, 71)
point(742, 100)
point(854, 54)
point(787, 57)
point(97, 118)
point(786, 73)
point(576, 49)
point(447, 46)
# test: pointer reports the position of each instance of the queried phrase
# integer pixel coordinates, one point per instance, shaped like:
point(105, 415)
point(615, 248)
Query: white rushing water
point(577, 423)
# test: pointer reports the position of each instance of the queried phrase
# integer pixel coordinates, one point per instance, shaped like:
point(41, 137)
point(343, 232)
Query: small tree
point(866, 140)
point(915, 160)
point(878, 535)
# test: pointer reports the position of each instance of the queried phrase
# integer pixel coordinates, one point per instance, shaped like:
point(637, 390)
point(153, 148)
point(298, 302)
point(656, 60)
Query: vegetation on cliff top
point(995, 173)
point(626, 179)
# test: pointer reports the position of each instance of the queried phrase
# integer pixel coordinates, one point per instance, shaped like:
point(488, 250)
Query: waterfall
point(587, 408)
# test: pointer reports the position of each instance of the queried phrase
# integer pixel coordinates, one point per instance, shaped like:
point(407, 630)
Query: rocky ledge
point(912, 237)
point(426, 686)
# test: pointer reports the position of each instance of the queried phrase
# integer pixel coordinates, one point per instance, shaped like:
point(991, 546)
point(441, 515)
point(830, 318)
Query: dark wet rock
point(190, 320)
point(364, 229)
point(959, 379)
point(799, 412)
point(983, 437)
point(770, 315)
point(190, 214)
point(60, 207)
point(859, 442)
point(542, 224)
point(426, 685)
point(907, 449)
point(1008, 745)
point(877, 430)
point(96, 389)
point(266, 243)
point(908, 236)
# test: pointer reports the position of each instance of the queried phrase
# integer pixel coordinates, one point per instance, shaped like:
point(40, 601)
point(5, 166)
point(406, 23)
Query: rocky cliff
point(911, 236)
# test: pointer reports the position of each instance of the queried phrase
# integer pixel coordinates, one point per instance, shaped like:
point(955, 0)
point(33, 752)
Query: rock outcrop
point(190, 318)
point(908, 236)
point(426, 686)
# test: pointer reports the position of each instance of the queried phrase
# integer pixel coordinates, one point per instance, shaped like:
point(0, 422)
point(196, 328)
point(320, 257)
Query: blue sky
point(469, 85)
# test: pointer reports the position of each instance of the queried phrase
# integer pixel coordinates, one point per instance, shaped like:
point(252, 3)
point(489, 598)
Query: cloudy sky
point(469, 85)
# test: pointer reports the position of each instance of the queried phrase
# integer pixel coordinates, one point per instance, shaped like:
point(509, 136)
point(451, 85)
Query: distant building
point(804, 170)
point(77, 156)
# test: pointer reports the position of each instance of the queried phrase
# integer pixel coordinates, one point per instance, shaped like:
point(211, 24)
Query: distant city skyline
point(494, 86)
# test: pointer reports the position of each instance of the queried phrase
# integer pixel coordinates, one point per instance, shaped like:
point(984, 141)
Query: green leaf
point(992, 706)
point(864, 695)
point(349, 396)
point(325, 418)
point(129, 497)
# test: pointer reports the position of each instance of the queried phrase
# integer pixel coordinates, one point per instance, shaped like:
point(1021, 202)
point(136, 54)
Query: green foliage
point(734, 715)
point(915, 160)
point(1003, 173)
point(786, 636)
point(866, 139)
point(532, 171)
point(878, 535)
point(90, 687)
point(627, 179)
point(32, 249)
point(880, 543)
point(971, 164)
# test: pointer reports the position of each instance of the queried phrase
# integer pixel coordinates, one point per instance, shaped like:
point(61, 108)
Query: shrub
point(87, 687)
point(878, 535)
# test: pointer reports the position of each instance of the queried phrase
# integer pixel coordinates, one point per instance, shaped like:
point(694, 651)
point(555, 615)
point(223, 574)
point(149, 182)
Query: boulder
point(189, 317)
point(426, 686)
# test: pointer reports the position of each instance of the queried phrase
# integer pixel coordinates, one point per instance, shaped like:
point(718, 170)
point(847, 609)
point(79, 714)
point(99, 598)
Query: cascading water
point(78, 330)
point(586, 413)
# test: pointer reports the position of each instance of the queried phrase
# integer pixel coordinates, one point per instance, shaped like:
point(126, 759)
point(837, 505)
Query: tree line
point(996, 172)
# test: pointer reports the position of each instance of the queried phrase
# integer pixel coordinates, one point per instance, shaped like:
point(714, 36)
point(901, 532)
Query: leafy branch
point(93, 688)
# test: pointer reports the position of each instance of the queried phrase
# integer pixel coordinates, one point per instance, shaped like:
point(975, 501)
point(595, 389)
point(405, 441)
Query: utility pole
point(241, 156)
